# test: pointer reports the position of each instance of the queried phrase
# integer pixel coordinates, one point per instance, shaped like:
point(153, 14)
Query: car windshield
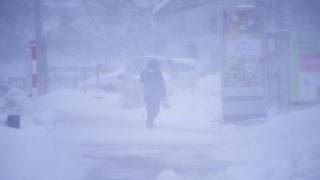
point(179, 67)
point(135, 66)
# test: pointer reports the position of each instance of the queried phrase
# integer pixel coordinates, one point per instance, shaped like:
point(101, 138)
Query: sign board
point(244, 65)
point(305, 67)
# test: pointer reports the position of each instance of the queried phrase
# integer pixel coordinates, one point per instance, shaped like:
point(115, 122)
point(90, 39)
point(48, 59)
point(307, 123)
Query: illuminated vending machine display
point(244, 64)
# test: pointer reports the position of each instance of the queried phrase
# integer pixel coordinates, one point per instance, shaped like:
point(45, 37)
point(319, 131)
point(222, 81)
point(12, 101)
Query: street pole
point(98, 96)
point(42, 70)
point(34, 51)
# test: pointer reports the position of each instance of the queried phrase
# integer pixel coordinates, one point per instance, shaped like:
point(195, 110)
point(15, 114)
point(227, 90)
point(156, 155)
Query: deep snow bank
point(284, 148)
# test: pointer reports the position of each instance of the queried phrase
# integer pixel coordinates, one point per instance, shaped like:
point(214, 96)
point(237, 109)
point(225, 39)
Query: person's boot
point(150, 124)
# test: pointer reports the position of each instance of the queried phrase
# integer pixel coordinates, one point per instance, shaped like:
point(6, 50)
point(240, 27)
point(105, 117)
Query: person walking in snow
point(154, 90)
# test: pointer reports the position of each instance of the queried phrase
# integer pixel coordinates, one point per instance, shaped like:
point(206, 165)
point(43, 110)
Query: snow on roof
point(175, 59)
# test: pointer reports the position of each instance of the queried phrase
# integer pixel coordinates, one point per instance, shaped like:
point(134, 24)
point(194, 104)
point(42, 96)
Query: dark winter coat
point(153, 84)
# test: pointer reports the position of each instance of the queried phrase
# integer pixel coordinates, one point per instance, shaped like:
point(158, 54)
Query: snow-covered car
point(178, 73)
point(110, 82)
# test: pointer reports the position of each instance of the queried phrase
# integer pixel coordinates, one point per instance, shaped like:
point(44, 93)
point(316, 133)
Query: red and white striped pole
point(33, 47)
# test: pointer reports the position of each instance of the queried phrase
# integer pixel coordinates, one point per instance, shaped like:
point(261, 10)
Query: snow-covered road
point(146, 162)
point(74, 136)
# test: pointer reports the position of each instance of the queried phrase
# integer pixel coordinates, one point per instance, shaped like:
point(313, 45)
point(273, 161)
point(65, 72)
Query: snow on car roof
point(136, 64)
point(173, 59)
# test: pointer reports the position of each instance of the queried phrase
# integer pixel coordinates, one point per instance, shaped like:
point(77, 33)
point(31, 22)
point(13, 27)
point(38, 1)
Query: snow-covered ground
point(69, 135)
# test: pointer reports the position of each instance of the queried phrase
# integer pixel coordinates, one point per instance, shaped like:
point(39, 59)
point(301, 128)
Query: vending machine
point(244, 65)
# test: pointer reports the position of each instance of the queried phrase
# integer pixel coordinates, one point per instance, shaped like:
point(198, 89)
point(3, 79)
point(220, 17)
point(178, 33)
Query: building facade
point(293, 38)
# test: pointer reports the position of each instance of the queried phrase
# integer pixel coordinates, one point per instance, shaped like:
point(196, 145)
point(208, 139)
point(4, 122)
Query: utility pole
point(42, 70)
